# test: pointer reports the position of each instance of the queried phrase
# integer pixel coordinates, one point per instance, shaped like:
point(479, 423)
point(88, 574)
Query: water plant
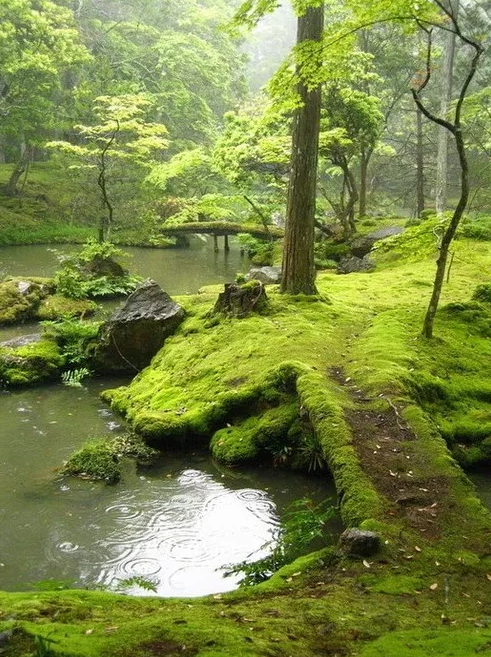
point(74, 378)
point(303, 523)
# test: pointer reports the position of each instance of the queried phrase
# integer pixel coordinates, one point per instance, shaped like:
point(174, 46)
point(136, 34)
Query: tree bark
point(455, 129)
point(443, 134)
point(298, 256)
point(10, 189)
point(420, 164)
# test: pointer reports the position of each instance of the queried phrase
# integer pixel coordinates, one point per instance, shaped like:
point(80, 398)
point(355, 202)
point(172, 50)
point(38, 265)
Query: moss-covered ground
point(348, 373)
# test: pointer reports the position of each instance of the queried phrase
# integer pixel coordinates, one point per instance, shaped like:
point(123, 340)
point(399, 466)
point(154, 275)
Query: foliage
point(72, 337)
point(74, 378)
point(144, 583)
point(303, 523)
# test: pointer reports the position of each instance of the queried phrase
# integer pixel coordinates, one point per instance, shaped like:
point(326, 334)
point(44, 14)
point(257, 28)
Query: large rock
point(137, 330)
point(355, 265)
point(21, 341)
point(265, 275)
point(359, 543)
point(360, 246)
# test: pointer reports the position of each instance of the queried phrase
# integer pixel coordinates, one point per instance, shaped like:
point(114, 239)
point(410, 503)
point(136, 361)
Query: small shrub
point(483, 293)
point(477, 229)
point(72, 337)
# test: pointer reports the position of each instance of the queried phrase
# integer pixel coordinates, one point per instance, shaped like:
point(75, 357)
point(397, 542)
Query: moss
point(31, 364)
point(56, 306)
point(483, 293)
point(20, 298)
point(266, 434)
point(444, 642)
point(96, 461)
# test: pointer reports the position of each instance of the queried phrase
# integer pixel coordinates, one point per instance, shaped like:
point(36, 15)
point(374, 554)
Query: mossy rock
point(20, 298)
point(56, 306)
point(95, 461)
point(30, 364)
point(483, 293)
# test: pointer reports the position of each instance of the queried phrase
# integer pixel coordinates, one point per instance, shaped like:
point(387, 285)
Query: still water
point(178, 271)
point(177, 522)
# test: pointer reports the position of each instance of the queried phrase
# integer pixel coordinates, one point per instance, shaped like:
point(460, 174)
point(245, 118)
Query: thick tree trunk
point(298, 257)
point(443, 134)
point(420, 173)
point(10, 189)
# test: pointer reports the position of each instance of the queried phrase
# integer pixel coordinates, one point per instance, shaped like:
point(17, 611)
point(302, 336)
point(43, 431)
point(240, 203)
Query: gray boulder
point(21, 341)
point(359, 543)
point(360, 246)
point(355, 265)
point(137, 330)
point(265, 275)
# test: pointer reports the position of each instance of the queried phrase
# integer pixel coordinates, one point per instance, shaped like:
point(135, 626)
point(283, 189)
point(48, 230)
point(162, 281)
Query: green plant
point(43, 646)
point(304, 522)
point(74, 378)
point(72, 337)
point(483, 293)
point(311, 452)
point(141, 582)
point(477, 229)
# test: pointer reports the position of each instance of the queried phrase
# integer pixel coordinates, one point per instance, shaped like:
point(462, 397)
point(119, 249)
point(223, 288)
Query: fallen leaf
point(89, 632)
point(418, 549)
point(366, 564)
point(488, 577)
point(434, 587)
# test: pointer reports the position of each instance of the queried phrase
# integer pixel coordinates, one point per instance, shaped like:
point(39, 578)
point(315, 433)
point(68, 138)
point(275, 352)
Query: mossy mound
point(20, 298)
point(31, 364)
point(100, 460)
point(56, 306)
point(96, 461)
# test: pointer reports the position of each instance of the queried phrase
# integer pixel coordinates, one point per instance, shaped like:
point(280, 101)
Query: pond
point(177, 522)
point(178, 271)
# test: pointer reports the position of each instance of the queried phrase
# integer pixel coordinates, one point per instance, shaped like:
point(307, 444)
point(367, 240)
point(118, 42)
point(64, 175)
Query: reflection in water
point(179, 521)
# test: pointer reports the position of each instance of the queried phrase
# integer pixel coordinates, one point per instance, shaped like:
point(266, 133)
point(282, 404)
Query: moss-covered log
point(222, 228)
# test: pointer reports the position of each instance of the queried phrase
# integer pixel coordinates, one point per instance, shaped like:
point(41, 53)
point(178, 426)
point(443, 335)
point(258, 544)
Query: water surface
point(178, 522)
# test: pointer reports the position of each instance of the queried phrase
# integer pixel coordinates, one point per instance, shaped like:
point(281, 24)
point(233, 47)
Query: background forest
point(118, 115)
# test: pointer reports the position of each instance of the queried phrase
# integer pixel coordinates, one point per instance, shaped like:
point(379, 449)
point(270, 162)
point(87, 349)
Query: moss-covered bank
point(352, 369)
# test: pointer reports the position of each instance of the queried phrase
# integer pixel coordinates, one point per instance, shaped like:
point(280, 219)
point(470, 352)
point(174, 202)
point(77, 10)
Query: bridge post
point(226, 244)
point(215, 243)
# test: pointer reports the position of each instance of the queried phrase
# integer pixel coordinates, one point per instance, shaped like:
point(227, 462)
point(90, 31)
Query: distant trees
point(39, 44)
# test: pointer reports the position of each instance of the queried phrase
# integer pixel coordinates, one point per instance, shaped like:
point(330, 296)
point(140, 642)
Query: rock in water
point(266, 275)
point(359, 543)
point(137, 330)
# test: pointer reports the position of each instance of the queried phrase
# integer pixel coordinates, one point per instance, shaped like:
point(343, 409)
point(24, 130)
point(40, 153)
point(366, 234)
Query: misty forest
point(245, 328)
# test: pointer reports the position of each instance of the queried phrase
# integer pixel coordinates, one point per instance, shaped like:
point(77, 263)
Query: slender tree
point(298, 258)
point(454, 127)
point(443, 134)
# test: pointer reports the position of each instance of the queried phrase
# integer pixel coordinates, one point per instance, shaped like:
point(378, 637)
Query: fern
point(74, 378)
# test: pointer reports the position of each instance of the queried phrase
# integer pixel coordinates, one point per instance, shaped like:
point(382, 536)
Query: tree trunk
point(298, 257)
point(420, 173)
point(443, 134)
point(365, 161)
point(10, 189)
